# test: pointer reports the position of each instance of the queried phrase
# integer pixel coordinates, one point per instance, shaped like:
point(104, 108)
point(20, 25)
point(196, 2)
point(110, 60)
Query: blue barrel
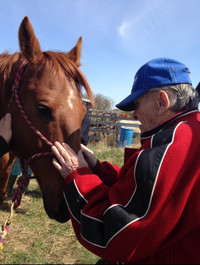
point(126, 136)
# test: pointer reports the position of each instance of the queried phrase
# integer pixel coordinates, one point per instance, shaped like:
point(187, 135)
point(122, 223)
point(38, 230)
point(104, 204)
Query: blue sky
point(119, 36)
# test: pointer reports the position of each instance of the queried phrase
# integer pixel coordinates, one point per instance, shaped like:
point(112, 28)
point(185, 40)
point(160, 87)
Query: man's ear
point(163, 102)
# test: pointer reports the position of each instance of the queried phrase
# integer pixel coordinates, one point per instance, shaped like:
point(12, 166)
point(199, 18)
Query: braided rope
point(15, 89)
point(17, 80)
point(23, 181)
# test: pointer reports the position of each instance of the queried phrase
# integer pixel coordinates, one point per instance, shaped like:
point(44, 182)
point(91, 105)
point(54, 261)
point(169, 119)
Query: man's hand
point(68, 160)
point(89, 156)
point(5, 127)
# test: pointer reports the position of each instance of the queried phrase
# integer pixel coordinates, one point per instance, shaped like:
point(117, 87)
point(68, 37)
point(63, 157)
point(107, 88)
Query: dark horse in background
point(49, 93)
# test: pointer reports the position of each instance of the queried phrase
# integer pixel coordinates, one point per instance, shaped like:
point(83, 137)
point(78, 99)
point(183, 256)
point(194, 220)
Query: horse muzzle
point(61, 214)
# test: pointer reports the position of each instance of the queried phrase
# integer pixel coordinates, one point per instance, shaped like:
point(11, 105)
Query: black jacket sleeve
point(4, 147)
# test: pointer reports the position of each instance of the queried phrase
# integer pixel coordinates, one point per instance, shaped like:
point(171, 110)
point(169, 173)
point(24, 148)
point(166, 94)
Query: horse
point(42, 90)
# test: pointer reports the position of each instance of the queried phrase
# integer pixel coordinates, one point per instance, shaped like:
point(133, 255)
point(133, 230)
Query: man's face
point(146, 111)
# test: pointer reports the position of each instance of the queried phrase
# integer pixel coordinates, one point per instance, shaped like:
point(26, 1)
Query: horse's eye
point(45, 111)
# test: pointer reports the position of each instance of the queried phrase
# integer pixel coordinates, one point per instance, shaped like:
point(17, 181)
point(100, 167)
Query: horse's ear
point(75, 53)
point(28, 42)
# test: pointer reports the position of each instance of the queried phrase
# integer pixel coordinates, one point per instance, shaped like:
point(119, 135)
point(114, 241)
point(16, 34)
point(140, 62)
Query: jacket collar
point(168, 122)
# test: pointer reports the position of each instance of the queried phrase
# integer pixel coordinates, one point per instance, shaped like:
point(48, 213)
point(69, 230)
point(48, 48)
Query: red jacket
point(149, 211)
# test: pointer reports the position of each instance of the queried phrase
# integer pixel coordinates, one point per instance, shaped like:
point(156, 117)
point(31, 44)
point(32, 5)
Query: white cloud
point(158, 25)
point(137, 21)
point(123, 29)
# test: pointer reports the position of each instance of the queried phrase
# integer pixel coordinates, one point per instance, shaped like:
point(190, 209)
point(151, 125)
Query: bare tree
point(102, 102)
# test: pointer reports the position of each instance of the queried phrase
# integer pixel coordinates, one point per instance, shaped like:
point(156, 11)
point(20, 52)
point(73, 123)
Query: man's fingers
point(63, 151)
point(66, 159)
point(58, 154)
point(8, 116)
point(84, 148)
point(69, 149)
point(56, 165)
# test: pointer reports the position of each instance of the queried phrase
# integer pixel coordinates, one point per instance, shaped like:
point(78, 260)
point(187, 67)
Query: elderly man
point(149, 210)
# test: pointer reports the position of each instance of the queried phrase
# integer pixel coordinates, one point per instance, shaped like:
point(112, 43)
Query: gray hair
point(181, 96)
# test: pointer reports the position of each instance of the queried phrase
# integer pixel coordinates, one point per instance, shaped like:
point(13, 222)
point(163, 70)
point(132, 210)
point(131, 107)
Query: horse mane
point(10, 63)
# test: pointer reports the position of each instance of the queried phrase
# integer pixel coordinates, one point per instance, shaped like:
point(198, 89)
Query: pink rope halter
point(24, 179)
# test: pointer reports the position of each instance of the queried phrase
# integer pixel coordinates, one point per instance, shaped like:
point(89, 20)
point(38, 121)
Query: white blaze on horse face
point(71, 98)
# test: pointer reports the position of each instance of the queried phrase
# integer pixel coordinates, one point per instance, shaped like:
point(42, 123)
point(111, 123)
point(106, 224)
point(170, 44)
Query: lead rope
point(24, 179)
point(4, 228)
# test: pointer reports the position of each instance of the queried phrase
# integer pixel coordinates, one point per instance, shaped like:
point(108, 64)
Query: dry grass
point(34, 238)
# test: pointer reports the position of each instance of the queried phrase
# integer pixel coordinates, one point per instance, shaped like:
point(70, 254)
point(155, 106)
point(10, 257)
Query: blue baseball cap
point(155, 73)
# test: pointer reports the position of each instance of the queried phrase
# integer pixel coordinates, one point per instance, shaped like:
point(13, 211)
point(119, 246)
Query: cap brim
point(127, 104)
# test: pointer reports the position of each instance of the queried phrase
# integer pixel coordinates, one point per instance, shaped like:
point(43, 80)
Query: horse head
point(50, 95)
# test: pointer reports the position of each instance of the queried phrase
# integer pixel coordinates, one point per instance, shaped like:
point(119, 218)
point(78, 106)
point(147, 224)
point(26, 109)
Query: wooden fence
point(105, 126)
